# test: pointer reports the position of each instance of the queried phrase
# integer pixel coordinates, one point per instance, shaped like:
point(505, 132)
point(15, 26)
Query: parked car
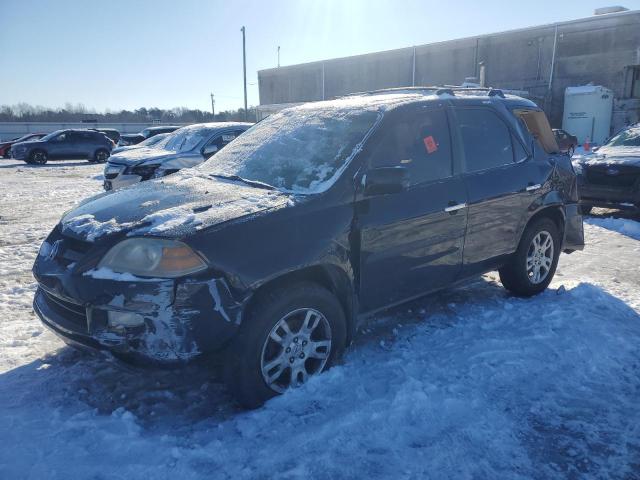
point(277, 249)
point(132, 139)
point(111, 133)
point(186, 147)
point(64, 144)
point(566, 141)
point(5, 147)
point(610, 177)
point(149, 142)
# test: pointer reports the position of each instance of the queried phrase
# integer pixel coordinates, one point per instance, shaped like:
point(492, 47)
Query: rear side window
point(486, 139)
point(418, 141)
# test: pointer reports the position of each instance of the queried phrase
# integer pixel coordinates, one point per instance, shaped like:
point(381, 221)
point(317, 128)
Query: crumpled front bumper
point(183, 318)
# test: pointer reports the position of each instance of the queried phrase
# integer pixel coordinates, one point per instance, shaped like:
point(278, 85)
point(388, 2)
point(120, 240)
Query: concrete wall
point(599, 49)
point(10, 130)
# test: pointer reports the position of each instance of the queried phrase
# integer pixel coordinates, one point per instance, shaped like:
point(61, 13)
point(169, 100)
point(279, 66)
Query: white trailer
point(587, 113)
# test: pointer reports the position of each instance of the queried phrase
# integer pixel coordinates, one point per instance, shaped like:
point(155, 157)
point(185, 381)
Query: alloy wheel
point(298, 346)
point(540, 257)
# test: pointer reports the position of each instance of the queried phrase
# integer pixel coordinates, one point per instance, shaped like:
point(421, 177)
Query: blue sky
point(167, 53)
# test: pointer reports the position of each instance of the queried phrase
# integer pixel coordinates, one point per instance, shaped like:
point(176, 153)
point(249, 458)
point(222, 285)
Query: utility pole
point(244, 70)
point(278, 56)
point(213, 106)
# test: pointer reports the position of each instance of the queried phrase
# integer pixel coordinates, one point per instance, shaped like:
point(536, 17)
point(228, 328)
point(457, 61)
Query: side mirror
point(209, 150)
point(385, 180)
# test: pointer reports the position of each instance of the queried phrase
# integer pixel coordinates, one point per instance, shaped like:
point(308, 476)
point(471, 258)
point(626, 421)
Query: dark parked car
point(275, 250)
point(110, 133)
point(610, 177)
point(186, 147)
point(5, 147)
point(132, 139)
point(65, 144)
point(566, 141)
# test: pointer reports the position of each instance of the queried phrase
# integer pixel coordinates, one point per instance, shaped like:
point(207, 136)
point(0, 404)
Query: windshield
point(156, 139)
point(52, 135)
point(34, 136)
point(301, 150)
point(186, 139)
point(626, 138)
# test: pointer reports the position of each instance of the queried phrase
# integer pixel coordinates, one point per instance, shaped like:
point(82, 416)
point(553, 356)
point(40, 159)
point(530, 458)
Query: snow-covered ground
point(471, 383)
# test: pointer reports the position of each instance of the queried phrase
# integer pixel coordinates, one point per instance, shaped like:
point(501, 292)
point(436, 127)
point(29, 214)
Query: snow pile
point(492, 388)
point(624, 226)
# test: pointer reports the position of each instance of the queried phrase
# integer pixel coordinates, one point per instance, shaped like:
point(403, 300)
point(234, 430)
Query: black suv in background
point(135, 138)
point(65, 144)
point(277, 249)
point(610, 177)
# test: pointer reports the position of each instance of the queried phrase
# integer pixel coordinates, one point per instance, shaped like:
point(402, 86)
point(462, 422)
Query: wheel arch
point(554, 213)
point(331, 277)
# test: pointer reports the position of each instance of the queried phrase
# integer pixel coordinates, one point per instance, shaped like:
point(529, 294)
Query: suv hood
point(615, 155)
point(170, 207)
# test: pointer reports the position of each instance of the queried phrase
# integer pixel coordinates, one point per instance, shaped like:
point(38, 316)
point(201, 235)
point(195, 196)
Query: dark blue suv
point(65, 144)
point(277, 249)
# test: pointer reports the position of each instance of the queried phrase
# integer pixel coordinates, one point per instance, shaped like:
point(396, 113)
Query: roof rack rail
point(438, 90)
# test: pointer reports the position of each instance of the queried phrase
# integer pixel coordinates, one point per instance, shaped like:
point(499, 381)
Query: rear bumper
point(573, 229)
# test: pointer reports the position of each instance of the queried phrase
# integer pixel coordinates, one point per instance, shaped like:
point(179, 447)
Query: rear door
point(411, 242)
point(501, 181)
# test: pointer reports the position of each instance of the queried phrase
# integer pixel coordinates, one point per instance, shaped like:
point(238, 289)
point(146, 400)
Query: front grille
point(623, 177)
point(72, 312)
point(68, 250)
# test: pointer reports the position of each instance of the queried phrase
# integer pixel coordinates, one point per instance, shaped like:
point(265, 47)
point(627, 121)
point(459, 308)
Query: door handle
point(455, 208)
point(533, 188)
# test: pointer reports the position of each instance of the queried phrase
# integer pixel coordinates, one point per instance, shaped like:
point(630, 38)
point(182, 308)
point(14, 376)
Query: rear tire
point(265, 351)
point(100, 156)
point(532, 266)
point(38, 157)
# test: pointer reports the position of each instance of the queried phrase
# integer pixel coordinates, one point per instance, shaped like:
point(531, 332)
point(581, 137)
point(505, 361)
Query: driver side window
point(63, 137)
point(418, 141)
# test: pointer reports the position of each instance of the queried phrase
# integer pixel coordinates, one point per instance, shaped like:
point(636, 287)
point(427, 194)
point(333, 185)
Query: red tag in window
point(430, 144)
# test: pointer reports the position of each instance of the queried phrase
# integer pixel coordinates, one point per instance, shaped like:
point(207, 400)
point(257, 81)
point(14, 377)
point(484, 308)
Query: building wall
point(599, 49)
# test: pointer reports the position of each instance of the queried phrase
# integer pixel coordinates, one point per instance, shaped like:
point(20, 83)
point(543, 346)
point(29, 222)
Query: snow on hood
point(610, 156)
point(142, 154)
point(172, 207)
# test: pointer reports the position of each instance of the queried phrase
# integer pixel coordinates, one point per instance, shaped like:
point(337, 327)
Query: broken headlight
point(152, 257)
point(145, 171)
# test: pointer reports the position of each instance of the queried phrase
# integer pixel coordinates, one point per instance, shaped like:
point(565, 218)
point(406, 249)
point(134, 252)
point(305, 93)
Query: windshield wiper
point(237, 178)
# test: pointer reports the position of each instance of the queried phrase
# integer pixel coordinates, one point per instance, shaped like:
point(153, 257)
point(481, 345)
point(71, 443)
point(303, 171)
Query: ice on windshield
point(627, 138)
point(301, 149)
point(186, 139)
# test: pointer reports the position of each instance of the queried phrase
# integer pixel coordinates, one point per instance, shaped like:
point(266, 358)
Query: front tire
point(532, 266)
point(288, 336)
point(38, 157)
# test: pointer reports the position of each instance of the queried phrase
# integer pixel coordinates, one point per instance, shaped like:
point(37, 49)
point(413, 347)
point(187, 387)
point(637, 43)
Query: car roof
point(218, 126)
point(392, 98)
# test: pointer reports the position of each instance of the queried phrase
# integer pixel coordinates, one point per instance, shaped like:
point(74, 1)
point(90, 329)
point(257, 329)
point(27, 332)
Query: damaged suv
point(275, 251)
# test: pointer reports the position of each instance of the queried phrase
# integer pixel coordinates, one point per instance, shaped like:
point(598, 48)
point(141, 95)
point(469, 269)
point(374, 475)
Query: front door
point(411, 242)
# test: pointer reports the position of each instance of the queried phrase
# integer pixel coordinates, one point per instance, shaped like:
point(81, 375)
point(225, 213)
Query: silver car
point(184, 148)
